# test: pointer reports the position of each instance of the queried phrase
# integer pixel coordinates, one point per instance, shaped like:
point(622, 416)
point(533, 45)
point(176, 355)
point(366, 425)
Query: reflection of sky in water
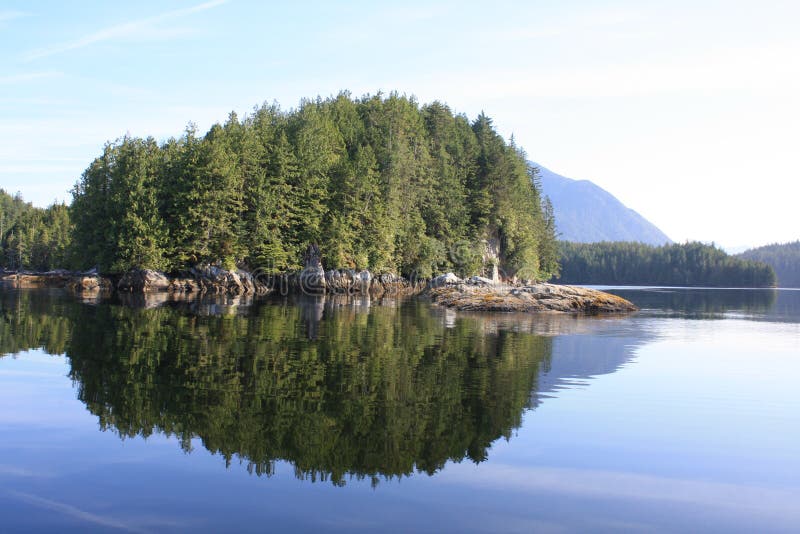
point(647, 422)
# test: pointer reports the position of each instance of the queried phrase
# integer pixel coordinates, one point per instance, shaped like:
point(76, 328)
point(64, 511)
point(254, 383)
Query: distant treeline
point(689, 264)
point(785, 259)
point(33, 238)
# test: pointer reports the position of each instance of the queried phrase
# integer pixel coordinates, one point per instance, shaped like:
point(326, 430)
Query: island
point(376, 194)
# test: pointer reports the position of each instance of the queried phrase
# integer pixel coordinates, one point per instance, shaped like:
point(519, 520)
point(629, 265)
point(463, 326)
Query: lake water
point(345, 415)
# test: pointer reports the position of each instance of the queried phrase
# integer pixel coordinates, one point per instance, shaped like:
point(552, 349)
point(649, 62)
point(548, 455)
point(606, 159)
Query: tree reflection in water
point(338, 388)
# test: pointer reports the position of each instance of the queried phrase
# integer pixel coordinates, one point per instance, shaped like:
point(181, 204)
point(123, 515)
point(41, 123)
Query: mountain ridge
point(587, 213)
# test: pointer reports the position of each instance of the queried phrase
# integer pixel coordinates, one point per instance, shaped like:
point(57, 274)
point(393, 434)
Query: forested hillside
point(33, 238)
point(689, 264)
point(784, 258)
point(379, 182)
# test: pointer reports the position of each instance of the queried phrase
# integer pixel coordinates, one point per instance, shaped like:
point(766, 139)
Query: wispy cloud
point(132, 28)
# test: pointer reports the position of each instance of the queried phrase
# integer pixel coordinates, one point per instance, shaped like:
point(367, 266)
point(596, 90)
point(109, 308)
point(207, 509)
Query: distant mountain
point(587, 213)
point(784, 259)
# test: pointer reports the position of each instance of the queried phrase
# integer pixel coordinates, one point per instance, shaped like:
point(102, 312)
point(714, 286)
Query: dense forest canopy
point(688, 264)
point(784, 258)
point(378, 182)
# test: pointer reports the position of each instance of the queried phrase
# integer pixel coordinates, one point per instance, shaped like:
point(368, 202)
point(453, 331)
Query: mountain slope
point(587, 213)
point(785, 259)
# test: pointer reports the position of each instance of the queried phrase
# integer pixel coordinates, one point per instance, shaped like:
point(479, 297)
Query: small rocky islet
point(478, 294)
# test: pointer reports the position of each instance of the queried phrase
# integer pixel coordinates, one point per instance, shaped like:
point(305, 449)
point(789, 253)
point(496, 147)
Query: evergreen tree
point(91, 211)
point(139, 233)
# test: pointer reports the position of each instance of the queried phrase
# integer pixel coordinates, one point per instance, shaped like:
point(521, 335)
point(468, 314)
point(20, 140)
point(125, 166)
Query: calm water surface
point(395, 416)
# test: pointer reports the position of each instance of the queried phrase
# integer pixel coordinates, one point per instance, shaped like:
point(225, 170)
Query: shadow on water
point(338, 387)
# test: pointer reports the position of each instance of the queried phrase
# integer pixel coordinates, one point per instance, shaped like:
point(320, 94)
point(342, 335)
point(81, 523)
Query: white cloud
point(141, 27)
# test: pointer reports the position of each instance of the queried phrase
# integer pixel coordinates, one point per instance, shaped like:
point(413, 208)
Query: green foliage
point(379, 182)
point(548, 246)
point(784, 258)
point(689, 264)
point(33, 238)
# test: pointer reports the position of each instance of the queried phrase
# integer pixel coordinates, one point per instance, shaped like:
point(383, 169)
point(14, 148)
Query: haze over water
point(355, 415)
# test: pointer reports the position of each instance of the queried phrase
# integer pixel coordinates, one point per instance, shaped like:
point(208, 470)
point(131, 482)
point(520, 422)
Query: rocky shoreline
point(203, 280)
point(474, 294)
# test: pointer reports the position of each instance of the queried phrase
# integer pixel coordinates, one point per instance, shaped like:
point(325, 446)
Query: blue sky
point(687, 111)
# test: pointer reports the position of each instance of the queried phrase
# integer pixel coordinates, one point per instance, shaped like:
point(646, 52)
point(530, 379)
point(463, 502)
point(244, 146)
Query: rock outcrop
point(200, 279)
point(348, 281)
point(445, 280)
point(91, 283)
point(143, 281)
point(78, 282)
point(213, 279)
point(533, 298)
point(491, 258)
point(392, 285)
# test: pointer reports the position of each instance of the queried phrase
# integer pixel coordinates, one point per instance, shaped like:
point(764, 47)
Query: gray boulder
point(214, 279)
point(143, 281)
point(445, 280)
